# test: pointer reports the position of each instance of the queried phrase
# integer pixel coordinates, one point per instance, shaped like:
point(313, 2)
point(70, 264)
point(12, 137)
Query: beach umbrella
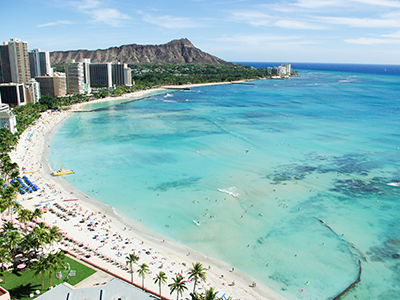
point(21, 266)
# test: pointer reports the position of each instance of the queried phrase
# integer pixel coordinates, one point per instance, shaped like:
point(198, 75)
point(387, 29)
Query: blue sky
point(332, 31)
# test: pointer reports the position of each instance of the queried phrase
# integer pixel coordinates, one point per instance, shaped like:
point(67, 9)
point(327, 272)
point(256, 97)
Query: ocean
point(292, 182)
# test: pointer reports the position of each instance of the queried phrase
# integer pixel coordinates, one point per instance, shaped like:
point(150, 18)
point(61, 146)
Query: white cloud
point(110, 16)
point(254, 18)
point(256, 40)
point(364, 22)
point(386, 3)
point(318, 3)
point(395, 35)
point(171, 22)
point(59, 22)
point(372, 41)
point(292, 24)
point(100, 13)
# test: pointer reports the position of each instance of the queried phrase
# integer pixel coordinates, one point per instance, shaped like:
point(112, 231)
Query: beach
point(101, 235)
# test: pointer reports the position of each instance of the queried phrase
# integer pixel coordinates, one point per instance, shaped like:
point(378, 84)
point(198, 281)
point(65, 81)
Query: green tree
point(7, 140)
point(130, 260)
point(54, 234)
point(55, 261)
point(142, 271)
point(41, 235)
point(160, 279)
point(5, 258)
point(210, 294)
point(29, 243)
point(25, 216)
point(41, 267)
point(13, 239)
point(37, 213)
point(197, 271)
point(179, 285)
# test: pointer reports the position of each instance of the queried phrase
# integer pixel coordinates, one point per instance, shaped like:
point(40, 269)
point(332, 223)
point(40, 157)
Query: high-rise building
point(86, 74)
point(32, 91)
point(74, 76)
point(121, 74)
point(39, 62)
point(7, 118)
point(101, 75)
point(78, 77)
point(5, 67)
point(53, 86)
point(15, 67)
point(12, 93)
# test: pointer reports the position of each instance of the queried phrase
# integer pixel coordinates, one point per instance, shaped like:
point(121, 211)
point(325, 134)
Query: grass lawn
point(20, 285)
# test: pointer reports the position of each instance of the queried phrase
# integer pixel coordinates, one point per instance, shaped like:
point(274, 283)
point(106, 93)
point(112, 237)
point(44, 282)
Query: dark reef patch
point(178, 184)
point(295, 172)
point(357, 187)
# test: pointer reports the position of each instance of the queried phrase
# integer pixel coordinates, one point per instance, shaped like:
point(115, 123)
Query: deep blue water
point(349, 68)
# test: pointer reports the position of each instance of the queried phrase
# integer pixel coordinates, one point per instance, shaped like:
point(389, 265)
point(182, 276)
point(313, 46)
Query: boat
point(394, 183)
point(30, 172)
point(62, 171)
point(71, 199)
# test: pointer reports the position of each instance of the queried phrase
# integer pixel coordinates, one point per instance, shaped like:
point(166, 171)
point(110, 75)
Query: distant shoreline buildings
point(283, 71)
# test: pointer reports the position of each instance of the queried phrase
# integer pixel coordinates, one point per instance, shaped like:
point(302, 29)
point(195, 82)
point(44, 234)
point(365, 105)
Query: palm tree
point(7, 140)
point(13, 239)
point(5, 258)
point(8, 194)
point(59, 261)
point(160, 278)
point(54, 235)
point(210, 294)
point(24, 216)
point(41, 235)
point(196, 272)
point(130, 260)
point(55, 261)
point(142, 271)
point(37, 213)
point(8, 226)
point(28, 243)
point(41, 267)
point(8, 168)
point(178, 285)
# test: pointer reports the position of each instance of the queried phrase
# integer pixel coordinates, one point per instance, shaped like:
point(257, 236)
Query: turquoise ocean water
point(245, 173)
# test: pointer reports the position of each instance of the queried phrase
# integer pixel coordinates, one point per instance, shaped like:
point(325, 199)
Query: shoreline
point(131, 233)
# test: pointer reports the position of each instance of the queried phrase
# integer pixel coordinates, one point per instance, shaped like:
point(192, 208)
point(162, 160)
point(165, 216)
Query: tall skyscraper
point(75, 80)
point(121, 74)
point(15, 67)
point(78, 77)
point(100, 75)
point(39, 62)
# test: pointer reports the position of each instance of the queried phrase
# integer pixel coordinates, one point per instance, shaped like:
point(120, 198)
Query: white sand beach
point(102, 236)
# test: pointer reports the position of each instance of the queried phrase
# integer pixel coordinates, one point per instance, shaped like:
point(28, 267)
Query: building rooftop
point(114, 289)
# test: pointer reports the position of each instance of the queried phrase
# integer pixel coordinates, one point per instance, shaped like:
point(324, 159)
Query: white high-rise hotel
point(40, 63)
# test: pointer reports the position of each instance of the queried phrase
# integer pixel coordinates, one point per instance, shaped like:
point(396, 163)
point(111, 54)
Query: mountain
point(177, 52)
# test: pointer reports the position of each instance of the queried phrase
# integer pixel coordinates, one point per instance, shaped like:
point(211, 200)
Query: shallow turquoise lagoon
point(285, 180)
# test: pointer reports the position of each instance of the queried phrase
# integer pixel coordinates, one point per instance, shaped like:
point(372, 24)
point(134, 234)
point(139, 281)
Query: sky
point(322, 31)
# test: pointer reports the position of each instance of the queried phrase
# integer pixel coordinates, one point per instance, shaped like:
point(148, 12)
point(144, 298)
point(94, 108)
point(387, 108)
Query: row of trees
point(179, 284)
point(155, 75)
point(16, 241)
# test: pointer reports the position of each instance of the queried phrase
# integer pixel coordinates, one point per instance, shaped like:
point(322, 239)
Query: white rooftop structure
point(115, 289)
